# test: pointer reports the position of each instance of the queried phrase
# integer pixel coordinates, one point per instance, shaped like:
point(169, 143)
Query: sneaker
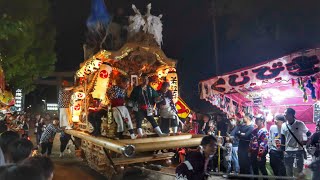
point(164, 135)
point(133, 136)
point(61, 155)
point(69, 151)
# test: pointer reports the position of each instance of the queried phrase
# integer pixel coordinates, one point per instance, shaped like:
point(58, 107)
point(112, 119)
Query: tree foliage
point(26, 42)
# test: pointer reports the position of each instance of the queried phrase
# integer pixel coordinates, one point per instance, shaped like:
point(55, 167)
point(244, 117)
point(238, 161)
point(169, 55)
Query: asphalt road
point(69, 167)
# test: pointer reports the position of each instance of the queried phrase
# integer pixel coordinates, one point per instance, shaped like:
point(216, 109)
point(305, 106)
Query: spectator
point(244, 135)
point(3, 123)
point(292, 133)
point(314, 149)
point(18, 172)
point(204, 124)
point(227, 149)
point(235, 144)
point(20, 150)
point(5, 139)
point(259, 147)
point(44, 164)
point(198, 163)
point(24, 125)
point(48, 135)
point(222, 125)
point(40, 126)
point(276, 154)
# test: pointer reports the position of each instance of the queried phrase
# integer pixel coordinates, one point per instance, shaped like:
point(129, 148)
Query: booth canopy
point(269, 88)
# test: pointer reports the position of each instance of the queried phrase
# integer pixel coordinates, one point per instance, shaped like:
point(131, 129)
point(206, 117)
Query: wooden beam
point(142, 159)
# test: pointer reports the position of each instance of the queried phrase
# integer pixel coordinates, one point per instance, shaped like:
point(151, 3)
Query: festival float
point(140, 54)
point(269, 88)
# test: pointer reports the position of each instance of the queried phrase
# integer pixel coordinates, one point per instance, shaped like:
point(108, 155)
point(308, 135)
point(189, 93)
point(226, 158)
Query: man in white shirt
point(276, 154)
point(294, 153)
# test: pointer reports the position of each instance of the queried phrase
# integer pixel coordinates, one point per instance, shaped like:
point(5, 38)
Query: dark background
point(248, 32)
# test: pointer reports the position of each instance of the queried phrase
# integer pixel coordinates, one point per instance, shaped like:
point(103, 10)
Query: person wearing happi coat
point(168, 111)
point(117, 95)
point(143, 99)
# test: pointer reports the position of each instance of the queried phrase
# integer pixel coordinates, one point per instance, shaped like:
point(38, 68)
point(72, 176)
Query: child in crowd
point(227, 153)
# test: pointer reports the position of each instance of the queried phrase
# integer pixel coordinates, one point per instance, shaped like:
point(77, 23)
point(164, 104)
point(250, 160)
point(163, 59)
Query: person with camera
point(292, 133)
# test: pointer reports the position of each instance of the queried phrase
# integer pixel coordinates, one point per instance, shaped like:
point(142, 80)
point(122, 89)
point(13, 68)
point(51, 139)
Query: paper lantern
point(90, 67)
point(76, 111)
point(79, 95)
point(102, 82)
point(172, 78)
point(96, 63)
point(80, 73)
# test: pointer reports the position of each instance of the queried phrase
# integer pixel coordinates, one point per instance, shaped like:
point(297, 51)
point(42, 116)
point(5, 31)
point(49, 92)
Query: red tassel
point(292, 82)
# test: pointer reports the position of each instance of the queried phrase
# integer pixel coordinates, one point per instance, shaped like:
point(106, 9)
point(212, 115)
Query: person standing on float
point(168, 111)
point(65, 94)
point(143, 98)
point(121, 115)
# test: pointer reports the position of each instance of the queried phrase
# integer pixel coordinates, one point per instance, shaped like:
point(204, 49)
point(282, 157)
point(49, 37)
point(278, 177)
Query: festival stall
point(268, 88)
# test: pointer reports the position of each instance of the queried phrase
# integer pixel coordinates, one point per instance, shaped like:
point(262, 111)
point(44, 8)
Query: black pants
point(63, 143)
point(38, 137)
point(46, 147)
point(166, 123)
point(95, 120)
point(140, 115)
point(258, 165)
point(244, 160)
point(277, 163)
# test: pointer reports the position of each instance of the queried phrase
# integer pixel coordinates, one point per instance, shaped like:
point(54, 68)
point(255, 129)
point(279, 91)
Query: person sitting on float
point(143, 99)
point(117, 95)
point(96, 112)
point(167, 109)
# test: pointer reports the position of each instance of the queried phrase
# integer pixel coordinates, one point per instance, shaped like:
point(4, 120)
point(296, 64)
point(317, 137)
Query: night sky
point(187, 37)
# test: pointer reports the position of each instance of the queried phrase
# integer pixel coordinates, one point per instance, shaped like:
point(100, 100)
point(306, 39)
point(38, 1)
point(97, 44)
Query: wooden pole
point(219, 134)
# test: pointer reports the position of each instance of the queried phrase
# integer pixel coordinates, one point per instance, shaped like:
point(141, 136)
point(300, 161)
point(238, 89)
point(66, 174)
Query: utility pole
point(215, 37)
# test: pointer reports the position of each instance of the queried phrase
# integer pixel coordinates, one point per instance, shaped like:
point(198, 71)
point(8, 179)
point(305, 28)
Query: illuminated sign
point(52, 107)
point(18, 99)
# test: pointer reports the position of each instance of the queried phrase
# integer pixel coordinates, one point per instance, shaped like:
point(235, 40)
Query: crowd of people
point(19, 157)
point(247, 143)
point(17, 162)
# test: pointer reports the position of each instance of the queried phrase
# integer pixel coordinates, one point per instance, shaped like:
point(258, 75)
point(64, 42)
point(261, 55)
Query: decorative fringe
point(302, 88)
point(292, 82)
point(312, 89)
point(318, 89)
